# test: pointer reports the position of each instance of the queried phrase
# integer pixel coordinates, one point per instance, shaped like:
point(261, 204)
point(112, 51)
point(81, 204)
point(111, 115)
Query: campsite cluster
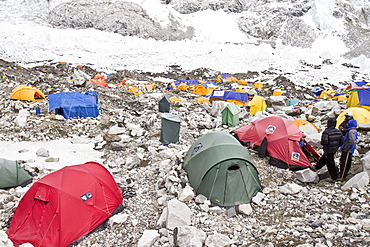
point(146, 158)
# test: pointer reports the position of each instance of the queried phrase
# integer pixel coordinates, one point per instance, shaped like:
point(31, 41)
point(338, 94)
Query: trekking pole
point(345, 166)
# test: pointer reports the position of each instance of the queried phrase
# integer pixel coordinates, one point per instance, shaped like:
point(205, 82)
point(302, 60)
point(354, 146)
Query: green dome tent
point(220, 168)
point(12, 175)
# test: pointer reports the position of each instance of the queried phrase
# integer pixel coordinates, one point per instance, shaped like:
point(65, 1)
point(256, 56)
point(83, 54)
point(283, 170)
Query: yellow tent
point(132, 89)
point(183, 86)
point(353, 100)
point(240, 90)
point(305, 126)
point(258, 85)
point(361, 115)
point(242, 82)
point(202, 100)
point(203, 90)
point(24, 92)
point(277, 92)
point(257, 104)
point(173, 99)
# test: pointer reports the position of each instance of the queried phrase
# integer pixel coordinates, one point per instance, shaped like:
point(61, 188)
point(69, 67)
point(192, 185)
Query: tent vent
point(233, 167)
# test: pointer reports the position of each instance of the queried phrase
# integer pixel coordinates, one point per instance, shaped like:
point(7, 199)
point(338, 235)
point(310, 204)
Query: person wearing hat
point(344, 125)
point(348, 148)
point(331, 140)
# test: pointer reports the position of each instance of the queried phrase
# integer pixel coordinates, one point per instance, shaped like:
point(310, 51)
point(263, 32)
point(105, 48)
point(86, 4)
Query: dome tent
point(305, 126)
point(65, 205)
point(219, 167)
point(24, 92)
point(12, 175)
point(279, 138)
point(361, 115)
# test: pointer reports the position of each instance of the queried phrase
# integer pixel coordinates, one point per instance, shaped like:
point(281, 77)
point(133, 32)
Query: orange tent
point(99, 80)
point(24, 92)
point(305, 126)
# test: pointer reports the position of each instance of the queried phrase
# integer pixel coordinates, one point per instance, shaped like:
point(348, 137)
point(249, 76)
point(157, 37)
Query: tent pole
point(214, 181)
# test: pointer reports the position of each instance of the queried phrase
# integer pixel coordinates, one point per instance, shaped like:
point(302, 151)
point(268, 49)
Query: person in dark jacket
point(344, 125)
point(348, 148)
point(331, 140)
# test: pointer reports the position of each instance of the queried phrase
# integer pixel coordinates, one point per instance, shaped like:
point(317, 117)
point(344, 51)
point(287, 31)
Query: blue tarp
point(74, 104)
point(364, 96)
point(209, 84)
point(317, 91)
point(188, 82)
point(224, 76)
point(230, 95)
point(361, 83)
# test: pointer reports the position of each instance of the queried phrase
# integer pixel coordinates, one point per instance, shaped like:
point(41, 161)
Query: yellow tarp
point(203, 90)
point(24, 92)
point(361, 115)
point(237, 102)
point(173, 99)
point(202, 100)
point(183, 87)
point(257, 104)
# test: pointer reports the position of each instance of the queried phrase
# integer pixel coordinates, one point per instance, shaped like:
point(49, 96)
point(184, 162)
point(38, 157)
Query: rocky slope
point(287, 212)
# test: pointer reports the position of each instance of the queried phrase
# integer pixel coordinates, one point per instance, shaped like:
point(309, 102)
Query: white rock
point(186, 194)
point(21, 119)
point(148, 238)
point(189, 236)
point(42, 152)
point(4, 240)
point(257, 199)
point(216, 210)
point(178, 214)
point(117, 219)
point(290, 188)
point(245, 209)
point(218, 240)
point(307, 176)
point(116, 130)
point(26, 245)
point(200, 198)
point(365, 224)
point(360, 181)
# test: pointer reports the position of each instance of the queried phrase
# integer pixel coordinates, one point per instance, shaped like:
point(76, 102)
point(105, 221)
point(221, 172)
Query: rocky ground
point(287, 212)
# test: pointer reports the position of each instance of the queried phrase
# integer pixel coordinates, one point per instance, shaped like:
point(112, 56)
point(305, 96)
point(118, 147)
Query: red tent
point(65, 205)
point(280, 138)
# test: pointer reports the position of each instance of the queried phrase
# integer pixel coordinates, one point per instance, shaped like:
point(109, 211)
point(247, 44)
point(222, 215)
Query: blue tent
point(225, 95)
point(187, 82)
point(74, 104)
